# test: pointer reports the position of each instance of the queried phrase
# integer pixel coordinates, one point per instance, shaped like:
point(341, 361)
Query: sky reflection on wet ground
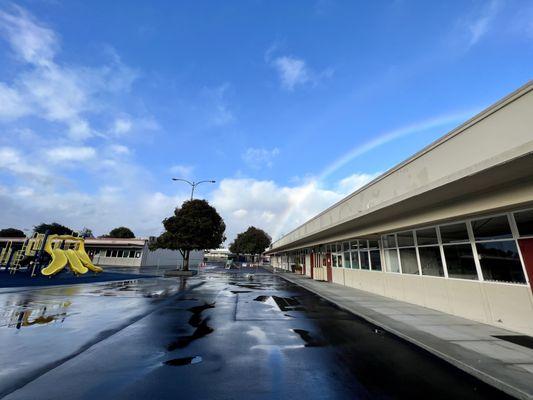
point(223, 334)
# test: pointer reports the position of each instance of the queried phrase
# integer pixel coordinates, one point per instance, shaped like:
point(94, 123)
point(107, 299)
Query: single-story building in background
point(114, 252)
point(450, 228)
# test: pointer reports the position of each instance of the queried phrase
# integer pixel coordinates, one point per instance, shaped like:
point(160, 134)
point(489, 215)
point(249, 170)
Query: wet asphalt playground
point(219, 335)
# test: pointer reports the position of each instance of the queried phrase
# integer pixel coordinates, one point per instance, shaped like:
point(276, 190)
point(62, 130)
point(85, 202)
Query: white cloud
point(13, 105)
point(259, 157)
point(70, 153)
point(44, 88)
point(355, 181)
point(182, 171)
point(122, 125)
point(119, 149)
point(292, 71)
point(274, 208)
point(479, 24)
point(30, 41)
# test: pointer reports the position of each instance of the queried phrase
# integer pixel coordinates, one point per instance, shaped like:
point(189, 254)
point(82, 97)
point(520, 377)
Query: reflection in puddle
point(282, 303)
point(240, 291)
point(202, 329)
point(29, 314)
point(307, 338)
point(176, 362)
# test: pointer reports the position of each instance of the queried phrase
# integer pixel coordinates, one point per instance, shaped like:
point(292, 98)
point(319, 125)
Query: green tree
point(54, 229)
point(121, 232)
point(252, 241)
point(194, 226)
point(86, 233)
point(11, 232)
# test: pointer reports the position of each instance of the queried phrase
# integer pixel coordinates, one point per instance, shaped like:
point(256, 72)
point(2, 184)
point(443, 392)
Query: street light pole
point(193, 184)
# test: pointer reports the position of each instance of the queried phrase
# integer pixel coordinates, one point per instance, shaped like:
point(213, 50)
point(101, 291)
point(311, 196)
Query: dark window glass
point(339, 261)
point(408, 260)
point(355, 260)
point(492, 228)
point(365, 264)
point(108, 253)
point(345, 246)
point(363, 244)
point(354, 245)
point(426, 236)
point(524, 222)
point(500, 261)
point(373, 244)
point(113, 253)
point(391, 261)
point(454, 233)
point(328, 248)
point(389, 241)
point(460, 261)
point(375, 259)
point(334, 260)
point(430, 261)
point(405, 239)
point(347, 260)
point(119, 253)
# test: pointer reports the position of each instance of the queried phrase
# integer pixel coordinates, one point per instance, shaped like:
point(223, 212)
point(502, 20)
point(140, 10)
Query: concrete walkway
point(468, 345)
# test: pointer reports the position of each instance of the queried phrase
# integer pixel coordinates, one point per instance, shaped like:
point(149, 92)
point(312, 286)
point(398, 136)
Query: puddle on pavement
point(283, 303)
point(307, 338)
point(201, 328)
point(178, 362)
point(35, 313)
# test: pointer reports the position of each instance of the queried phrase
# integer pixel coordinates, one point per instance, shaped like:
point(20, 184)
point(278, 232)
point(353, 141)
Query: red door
point(526, 247)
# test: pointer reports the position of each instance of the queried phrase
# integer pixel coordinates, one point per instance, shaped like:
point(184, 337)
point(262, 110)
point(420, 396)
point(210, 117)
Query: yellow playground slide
point(74, 262)
point(59, 258)
point(84, 257)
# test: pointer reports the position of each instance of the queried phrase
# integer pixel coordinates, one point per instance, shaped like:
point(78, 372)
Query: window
point(334, 260)
point(454, 233)
point(426, 236)
point(138, 254)
point(119, 253)
point(108, 253)
point(389, 241)
point(460, 261)
point(347, 263)
point(365, 261)
point(430, 261)
point(132, 254)
point(391, 260)
point(113, 253)
point(354, 245)
point(500, 261)
point(408, 260)
point(524, 222)
point(339, 260)
point(375, 260)
point(492, 228)
point(355, 260)
point(405, 239)
point(345, 246)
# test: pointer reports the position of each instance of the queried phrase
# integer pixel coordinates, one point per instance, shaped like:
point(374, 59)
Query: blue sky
point(288, 105)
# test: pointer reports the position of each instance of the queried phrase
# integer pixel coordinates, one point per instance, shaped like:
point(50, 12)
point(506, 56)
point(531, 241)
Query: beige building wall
point(503, 305)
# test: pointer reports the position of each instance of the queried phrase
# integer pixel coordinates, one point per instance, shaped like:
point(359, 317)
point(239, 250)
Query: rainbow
point(441, 121)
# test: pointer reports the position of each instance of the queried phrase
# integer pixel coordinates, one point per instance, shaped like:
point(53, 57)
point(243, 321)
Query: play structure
point(48, 255)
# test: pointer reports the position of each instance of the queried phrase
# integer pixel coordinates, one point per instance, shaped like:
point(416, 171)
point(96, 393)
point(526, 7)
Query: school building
point(450, 228)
